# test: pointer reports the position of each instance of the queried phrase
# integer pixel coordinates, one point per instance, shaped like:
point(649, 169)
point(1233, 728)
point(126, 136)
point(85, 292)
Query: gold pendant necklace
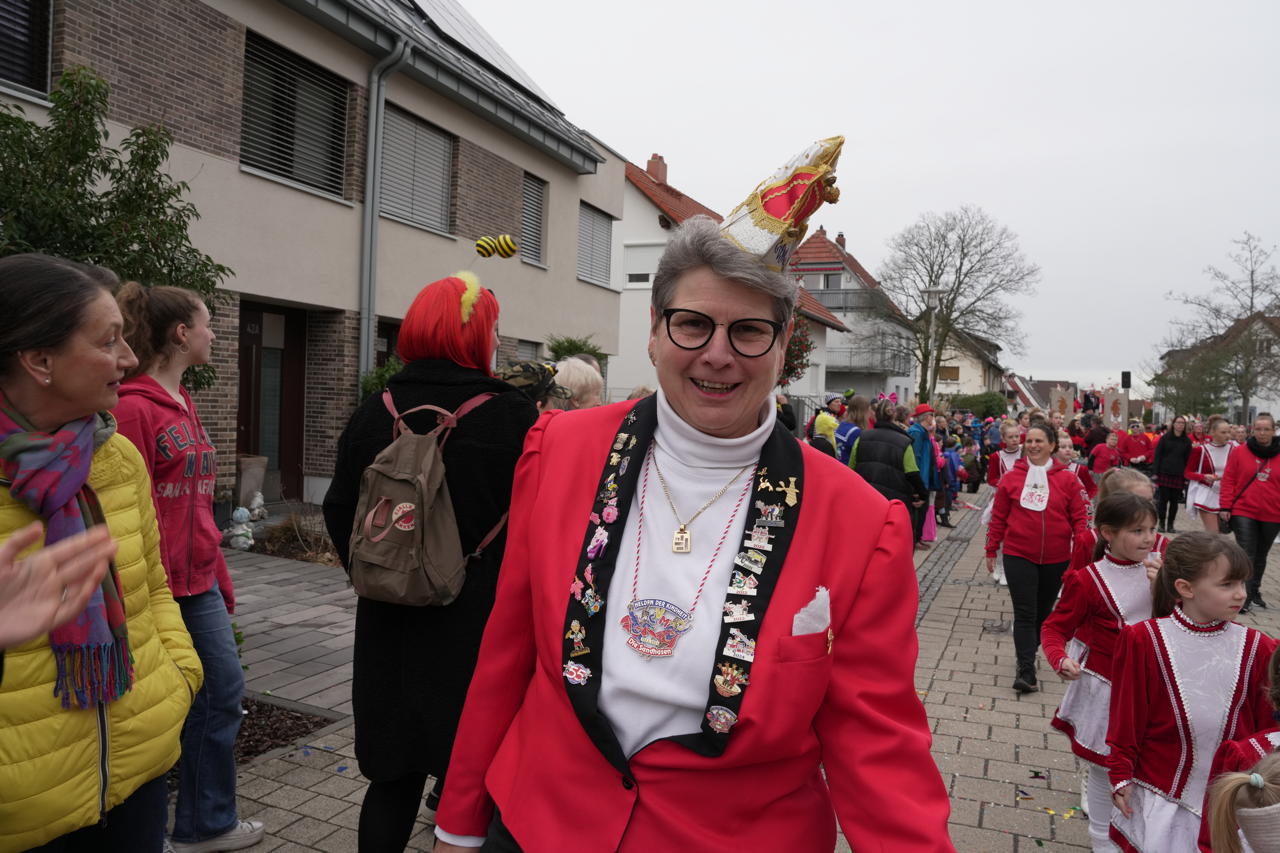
point(682, 540)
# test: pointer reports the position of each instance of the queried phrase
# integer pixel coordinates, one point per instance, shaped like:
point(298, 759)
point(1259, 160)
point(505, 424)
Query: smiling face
point(87, 369)
point(1212, 595)
point(1133, 541)
point(713, 388)
point(1038, 445)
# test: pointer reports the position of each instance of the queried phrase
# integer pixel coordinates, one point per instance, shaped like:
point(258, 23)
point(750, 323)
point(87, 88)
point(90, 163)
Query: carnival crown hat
point(772, 220)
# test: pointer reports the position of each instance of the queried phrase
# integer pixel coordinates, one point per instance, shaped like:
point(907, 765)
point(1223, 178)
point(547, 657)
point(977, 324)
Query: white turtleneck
point(647, 699)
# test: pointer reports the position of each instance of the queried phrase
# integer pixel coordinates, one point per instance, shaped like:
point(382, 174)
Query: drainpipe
point(372, 195)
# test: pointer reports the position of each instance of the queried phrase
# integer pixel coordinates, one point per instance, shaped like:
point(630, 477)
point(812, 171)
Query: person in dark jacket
point(883, 456)
point(1172, 452)
point(413, 665)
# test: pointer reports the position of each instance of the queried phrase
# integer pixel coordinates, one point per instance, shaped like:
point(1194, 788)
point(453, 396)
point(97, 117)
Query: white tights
point(1100, 806)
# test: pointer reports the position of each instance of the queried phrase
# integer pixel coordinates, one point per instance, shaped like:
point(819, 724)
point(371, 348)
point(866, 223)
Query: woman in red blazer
point(626, 697)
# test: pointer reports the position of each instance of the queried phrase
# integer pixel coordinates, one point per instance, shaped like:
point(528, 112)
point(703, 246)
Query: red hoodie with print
point(183, 467)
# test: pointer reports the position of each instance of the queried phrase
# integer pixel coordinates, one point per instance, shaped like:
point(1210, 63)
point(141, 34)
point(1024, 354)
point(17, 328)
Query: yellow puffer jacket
point(57, 771)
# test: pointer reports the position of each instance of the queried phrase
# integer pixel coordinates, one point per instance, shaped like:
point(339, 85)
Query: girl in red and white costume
point(1205, 468)
point(998, 464)
point(1184, 682)
point(1079, 639)
point(1068, 454)
point(1115, 481)
point(1238, 756)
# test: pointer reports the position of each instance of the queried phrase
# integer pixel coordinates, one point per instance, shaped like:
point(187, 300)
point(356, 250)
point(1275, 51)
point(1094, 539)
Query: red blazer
point(1148, 733)
point(830, 719)
point(1236, 756)
point(1041, 537)
point(1247, 495)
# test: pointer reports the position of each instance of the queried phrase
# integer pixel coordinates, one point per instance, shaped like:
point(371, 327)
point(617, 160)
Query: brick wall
point(218, 405)
point(487, 192)
point(175, 62)
point(333, 366)
point(357, 143)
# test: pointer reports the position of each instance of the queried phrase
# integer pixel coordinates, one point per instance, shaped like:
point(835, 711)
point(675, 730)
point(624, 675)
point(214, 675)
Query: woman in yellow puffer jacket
point(90, 714)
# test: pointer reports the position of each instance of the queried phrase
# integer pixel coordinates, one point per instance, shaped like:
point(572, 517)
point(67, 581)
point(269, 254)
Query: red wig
point(452, 319)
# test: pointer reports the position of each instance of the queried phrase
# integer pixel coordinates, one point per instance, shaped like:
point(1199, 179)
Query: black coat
point(413, 664)
point(1172, 453)
point(880, 459)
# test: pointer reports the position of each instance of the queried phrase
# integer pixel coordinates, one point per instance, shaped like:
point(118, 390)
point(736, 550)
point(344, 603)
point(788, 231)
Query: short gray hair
point(697, 243)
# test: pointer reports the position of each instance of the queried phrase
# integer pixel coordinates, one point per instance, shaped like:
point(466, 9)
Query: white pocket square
point(814, 616)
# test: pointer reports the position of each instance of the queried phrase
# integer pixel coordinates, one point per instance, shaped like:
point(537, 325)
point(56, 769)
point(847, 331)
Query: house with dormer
point(873, 354)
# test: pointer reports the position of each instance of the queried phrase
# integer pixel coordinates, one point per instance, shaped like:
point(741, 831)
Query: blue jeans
point(207, 770)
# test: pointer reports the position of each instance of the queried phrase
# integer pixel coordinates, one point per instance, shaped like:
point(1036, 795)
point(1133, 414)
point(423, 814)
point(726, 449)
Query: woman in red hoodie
point(168, 329)
point(1251, 499)
point(1037, 509)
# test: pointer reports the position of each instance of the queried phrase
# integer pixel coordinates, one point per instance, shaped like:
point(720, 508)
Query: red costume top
point(808, 723)
point(1039, 536)
point(1205, 459)
point(1086, 479)
point(1237, 756)
point(1180, 689)
point(1251, 485)
point(1083, 547)
point(1136, 449)
point(1096, 603)
point(1000, 463)
point(1103, 458)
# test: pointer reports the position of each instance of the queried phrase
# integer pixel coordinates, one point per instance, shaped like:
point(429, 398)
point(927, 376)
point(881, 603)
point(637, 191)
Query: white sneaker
point(244, 834)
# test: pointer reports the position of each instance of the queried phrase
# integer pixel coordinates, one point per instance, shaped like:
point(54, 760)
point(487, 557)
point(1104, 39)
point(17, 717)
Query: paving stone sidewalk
point(298, 622)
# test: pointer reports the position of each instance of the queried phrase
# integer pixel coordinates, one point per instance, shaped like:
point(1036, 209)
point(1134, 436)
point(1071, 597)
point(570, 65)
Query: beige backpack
point(404, 542)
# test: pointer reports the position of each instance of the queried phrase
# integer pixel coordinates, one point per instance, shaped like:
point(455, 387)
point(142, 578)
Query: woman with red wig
point(413, 664)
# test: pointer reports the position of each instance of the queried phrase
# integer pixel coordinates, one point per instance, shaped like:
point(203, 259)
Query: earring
point(184, 349)
point(48, 380)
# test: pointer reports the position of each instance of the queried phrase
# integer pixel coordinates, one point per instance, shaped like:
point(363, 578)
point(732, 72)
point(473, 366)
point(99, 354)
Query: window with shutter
point(417, 162)
point(24, 43)
point(595, 239)
point(294, 117)
point(533, 218)
point(527, 350)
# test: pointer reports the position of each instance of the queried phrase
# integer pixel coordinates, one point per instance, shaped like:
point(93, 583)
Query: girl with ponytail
point(168, 328)
point(1247, 804)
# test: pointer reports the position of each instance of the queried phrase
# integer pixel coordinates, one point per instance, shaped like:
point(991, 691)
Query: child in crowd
point(1184, 681)
point(1247, 804)
point(970, 460)
point(1079, 639)
point(951, 470)
point(1001, 463)
point(1205, 467)
point(1239, 756)
point(1113, 482)
point(1104, 457)
point(1069, 456)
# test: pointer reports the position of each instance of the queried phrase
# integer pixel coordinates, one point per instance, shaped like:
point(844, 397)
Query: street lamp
point(932, 299)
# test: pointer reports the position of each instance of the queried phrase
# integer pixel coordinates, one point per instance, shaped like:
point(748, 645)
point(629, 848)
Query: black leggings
point(1034, 591)
point(389, 810)
point(1167, 500)
point(1256, 538)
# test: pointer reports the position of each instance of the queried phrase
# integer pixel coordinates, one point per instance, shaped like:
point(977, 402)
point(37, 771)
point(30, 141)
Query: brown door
point(273, 359)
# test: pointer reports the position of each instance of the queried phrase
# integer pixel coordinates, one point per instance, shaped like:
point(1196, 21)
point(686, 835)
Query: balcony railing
point(853, 299)
point(879, 359)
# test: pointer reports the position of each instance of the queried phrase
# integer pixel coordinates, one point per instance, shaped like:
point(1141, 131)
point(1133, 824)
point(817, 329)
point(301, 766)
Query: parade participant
point(746, 600)
point(1198, 435)
point(581, 380)
point(1185, 681)
point(884, 458)
point(1250, 499)
point(1117, 481)
point(1238, 434)
point(90, 713)
point(1247, 804)
point(857, 417)
point(1205, 467)
point(1136, 448)
point(1037, 509)
point(1024, 423)
point(1105, 456)
point(168, 330)
point(1239, 756)
point(413, 664)
point(1171, 456)
point(1096, 603)
point(999, 464)
point(1067, 456)
point(1077, 433)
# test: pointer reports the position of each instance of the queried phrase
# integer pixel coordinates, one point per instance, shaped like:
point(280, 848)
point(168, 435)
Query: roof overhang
point(455, 75)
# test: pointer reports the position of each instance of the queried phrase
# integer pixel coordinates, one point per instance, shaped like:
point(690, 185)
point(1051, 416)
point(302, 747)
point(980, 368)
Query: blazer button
point(628, 782)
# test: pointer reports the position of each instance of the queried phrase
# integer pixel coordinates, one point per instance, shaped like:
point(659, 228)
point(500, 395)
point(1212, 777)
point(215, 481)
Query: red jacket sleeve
point(1194, 461)
point(1081, 551)
point(1078, 511)
point(993, 469)
point(1129, 702)
point(1071, 611)
point(874, 732)
point(999, 521)
point(1235, 477)
point(506, 663)
point(1086, 480)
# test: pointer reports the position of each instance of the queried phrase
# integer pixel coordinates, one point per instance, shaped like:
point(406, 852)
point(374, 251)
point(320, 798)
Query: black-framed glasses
point(750, 337)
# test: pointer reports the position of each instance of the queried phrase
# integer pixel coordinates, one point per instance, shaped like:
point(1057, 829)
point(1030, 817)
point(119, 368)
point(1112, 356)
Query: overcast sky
point(1125, 143)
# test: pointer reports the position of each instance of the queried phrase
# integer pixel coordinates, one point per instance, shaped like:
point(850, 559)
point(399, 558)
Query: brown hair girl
point(151, 314)
point(1189, 558)
point(1118, 511)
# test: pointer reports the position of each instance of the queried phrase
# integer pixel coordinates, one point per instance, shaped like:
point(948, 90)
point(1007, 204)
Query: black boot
point(1026, 680)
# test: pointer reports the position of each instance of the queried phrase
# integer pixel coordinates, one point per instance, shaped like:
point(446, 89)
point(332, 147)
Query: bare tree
point(1233, 325)
point(973, 264)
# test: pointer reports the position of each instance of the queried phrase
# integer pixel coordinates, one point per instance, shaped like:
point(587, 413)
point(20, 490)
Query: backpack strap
point(445, 419)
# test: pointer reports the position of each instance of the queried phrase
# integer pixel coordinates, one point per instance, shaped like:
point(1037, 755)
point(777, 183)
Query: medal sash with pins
point(763, 538)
